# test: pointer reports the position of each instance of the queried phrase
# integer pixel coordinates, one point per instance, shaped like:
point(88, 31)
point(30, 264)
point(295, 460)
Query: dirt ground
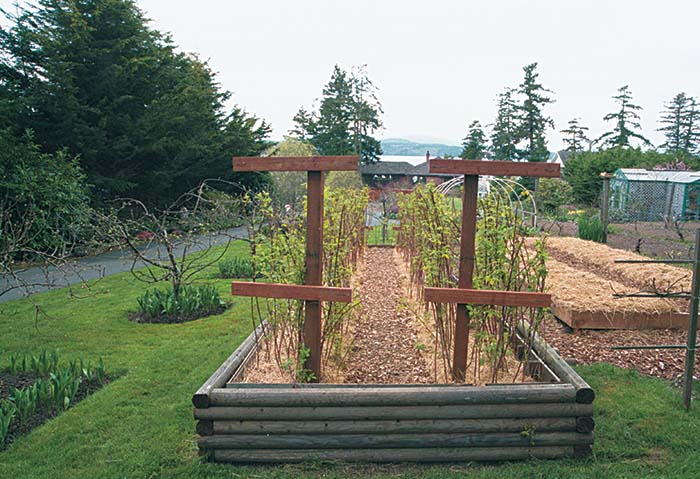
point(591, 346)
point(648, 238)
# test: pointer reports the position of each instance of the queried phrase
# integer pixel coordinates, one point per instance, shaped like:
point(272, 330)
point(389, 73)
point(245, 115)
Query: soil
point(648, 238)
point(18, 380)
point(24, 379)
point(142, 318)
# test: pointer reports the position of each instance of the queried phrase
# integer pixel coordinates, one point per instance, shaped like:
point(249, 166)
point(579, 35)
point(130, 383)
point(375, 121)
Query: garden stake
point(692, 326)
point(692, 318)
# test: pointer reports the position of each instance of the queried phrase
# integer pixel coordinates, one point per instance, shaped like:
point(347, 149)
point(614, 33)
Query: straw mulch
point(601, 258)
point(581, 290)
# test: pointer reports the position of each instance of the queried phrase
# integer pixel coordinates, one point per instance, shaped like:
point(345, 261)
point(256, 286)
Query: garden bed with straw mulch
point(583, 278)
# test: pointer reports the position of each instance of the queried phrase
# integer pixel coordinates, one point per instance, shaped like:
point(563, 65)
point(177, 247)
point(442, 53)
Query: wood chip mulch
point(591, 346)
point(387, 332)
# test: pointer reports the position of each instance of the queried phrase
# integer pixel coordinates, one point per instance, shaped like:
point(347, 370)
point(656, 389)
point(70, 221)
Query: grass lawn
point(374, 236)
point(141, 425)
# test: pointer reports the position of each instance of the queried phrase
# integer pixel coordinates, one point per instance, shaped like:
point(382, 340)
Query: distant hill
point(401, 147)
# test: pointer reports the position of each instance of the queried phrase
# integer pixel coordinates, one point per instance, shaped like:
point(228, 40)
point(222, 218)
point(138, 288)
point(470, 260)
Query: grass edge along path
point(141, 425)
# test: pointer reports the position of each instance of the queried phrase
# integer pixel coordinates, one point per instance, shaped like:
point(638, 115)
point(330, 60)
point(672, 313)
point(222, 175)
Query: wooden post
point(692, 326)
point(466, 270)
point(315, 292)
point(471, 169)
point(314, 270)
point(605, 204)
point(668, 213)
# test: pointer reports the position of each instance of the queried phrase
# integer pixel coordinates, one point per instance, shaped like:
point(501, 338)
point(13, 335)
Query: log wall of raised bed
point(239, 422)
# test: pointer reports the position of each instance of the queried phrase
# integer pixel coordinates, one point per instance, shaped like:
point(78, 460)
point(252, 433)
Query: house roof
point(422, 170)
point(565, 155)
point(399, 168)
point(388, 168)
point(673, 176)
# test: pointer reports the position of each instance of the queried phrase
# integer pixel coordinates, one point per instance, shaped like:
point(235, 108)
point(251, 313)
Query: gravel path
point(385, 345)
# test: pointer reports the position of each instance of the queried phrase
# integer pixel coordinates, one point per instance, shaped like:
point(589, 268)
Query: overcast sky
point(438, 64)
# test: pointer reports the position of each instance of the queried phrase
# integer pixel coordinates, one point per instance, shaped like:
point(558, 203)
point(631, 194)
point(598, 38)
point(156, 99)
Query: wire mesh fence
point(652, 201)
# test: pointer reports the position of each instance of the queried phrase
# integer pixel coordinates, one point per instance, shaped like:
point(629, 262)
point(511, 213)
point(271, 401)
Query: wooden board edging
point(584, 393)
point(635, 320)
point(364, 441)
point(227, 369)
point(405, 426)
point(480, 411)
point(395, 455)
point(388, 396)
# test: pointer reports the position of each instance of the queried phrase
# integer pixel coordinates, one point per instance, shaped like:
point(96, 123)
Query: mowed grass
point(141, 425)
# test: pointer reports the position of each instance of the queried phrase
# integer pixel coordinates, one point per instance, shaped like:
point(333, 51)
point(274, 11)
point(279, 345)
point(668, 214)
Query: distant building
point(400, 174)
point(654, 195)
point(559, 157)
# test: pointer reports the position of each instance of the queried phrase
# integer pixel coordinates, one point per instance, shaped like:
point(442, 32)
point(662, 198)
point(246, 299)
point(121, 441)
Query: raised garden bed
point(550, 417)
point(583, 276)
point(241, 422)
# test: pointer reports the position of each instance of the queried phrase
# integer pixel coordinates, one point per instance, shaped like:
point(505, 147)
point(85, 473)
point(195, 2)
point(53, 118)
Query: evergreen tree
point(673, 118)
point(347, 118)
point(91, 76)
point(533, 122)
point(504, 135)
point(474, 144)
point(366, 119)
point(691, 126)
point(575, 135)
point(680, 120)
point(626, 122)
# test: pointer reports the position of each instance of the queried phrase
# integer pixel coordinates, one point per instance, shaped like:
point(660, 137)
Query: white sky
point(440, 64)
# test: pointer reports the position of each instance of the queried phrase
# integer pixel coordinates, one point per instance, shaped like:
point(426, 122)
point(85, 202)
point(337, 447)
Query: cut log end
point(585, 424)
point(585, 395)
point(205, 428)
point(582, 451)
point(201, 401)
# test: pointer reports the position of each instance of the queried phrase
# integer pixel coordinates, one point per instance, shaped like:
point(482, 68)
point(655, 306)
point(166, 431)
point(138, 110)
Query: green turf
point(375, 238)
point(141, 426)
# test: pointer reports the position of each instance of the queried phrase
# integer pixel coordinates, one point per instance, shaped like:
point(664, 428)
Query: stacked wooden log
point(393, 423)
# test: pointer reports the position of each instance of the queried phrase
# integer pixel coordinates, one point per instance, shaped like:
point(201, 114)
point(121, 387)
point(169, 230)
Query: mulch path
point(387, 332)
point(593, 346)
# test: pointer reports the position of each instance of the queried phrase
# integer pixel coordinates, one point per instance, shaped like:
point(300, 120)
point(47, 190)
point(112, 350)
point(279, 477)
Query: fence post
point(605, 204)
point(692, 326)
point(668, 213)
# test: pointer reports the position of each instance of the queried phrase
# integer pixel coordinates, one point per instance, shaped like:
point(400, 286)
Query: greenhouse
point(654, 195)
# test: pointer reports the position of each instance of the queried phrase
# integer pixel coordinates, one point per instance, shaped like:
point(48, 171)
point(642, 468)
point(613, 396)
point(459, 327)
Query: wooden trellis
point(312, 292)
point(464, 294)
